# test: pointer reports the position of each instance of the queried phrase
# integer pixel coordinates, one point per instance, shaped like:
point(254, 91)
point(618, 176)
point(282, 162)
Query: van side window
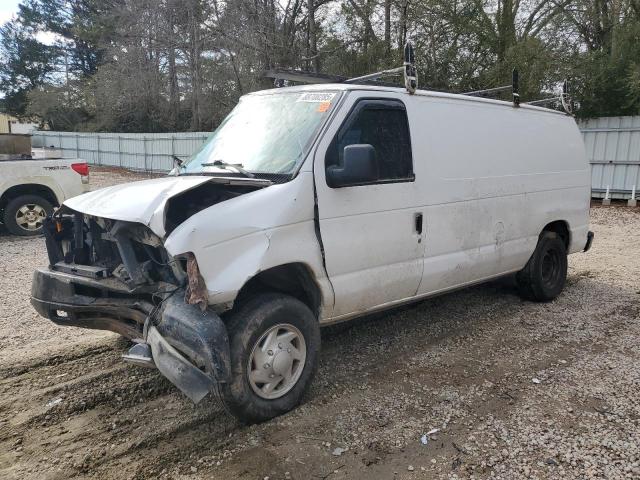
point(382, 124)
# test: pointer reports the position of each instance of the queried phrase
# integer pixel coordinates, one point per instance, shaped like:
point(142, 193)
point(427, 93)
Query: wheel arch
point(295, 279)
point(28, 189)
point(561, 228)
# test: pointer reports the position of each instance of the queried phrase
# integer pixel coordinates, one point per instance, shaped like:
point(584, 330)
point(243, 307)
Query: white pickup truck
point(31, 188)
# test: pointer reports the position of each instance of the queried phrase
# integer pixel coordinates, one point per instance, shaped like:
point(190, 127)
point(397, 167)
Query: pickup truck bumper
point(188, 346)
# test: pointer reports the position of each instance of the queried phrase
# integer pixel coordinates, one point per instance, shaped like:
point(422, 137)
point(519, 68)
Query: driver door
point(372, 231)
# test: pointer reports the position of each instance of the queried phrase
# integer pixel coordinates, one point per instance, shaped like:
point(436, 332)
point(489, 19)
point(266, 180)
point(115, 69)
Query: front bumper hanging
point(157, 352)
point(188, 346)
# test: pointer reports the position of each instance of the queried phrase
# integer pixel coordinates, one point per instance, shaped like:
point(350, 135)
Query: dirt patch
point(464, 363)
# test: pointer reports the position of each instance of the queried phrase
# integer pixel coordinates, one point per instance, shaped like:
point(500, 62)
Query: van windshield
point(268, 134)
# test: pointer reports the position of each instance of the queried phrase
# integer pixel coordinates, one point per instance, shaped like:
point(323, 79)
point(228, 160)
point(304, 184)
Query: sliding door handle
point(418, 222)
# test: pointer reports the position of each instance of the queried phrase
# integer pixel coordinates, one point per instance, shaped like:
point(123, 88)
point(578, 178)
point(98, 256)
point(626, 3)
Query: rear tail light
point(81, 168)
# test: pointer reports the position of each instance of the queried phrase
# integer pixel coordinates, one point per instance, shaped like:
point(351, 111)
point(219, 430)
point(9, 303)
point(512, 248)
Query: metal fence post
point(98, 150)
point(173, 150)
point(119, 151)
point(144, 149)
point(77, 148)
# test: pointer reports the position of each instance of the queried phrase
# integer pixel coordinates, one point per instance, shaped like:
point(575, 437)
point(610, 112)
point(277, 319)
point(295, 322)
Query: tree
point(606, 75)
point(82, 25)
point(25, 64)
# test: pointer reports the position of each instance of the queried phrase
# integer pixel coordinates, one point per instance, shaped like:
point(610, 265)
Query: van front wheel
point(543, 277)
point(275, 343)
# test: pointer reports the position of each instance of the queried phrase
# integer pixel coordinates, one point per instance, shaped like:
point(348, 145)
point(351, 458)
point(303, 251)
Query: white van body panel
point(373, 254)
point(489, 178)
point(237, 239)
point(489, 194)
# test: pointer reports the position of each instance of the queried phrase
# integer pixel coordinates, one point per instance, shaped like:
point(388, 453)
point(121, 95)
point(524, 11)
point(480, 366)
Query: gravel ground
point(516, 389)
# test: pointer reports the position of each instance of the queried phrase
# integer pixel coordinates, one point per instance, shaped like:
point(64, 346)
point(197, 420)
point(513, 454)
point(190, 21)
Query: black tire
point(543, 277)
point(32, 202)
point(246, 326)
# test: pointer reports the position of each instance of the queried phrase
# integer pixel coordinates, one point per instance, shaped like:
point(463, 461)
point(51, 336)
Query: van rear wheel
point(275, 343)
point(543, 277)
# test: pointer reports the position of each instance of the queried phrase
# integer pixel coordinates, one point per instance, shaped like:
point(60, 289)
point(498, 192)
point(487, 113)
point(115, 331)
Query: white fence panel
point(613, 149)
point(135, 151)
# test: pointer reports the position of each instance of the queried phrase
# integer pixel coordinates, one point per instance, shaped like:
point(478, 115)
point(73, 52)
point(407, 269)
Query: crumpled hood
point(143, 201)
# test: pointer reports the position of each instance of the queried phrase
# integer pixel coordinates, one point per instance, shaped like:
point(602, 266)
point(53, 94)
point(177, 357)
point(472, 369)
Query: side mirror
point(359, 166)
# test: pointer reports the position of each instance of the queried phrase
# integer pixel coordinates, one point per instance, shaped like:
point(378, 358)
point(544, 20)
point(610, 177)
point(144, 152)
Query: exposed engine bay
point(100, 248)
point(186, 204)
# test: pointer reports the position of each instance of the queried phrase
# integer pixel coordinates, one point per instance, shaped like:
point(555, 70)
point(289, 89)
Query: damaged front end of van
point(109, 270)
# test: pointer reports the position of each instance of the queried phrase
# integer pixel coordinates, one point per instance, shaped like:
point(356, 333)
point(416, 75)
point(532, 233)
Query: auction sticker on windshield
point(316, 97)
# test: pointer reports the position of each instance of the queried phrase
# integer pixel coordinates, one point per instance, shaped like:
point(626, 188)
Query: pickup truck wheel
point(275, 343)
point(543, 277)
point(24, 214)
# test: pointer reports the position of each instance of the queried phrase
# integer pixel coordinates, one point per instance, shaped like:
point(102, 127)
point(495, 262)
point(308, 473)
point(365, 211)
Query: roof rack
point(564, 99)
point(409, 71)
point(514, 87)
point(283, 75)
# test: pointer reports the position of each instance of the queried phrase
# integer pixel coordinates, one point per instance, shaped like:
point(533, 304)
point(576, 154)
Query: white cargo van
point(309, 206)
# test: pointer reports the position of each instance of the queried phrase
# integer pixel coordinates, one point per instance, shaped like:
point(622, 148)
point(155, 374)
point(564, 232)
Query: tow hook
point(140, 354)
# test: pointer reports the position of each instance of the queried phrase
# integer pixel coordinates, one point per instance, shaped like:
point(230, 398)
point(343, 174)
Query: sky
point(8, 8)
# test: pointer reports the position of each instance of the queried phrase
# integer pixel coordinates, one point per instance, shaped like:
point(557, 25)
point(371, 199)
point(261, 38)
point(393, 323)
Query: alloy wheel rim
point(30, 217)
point(276, 361)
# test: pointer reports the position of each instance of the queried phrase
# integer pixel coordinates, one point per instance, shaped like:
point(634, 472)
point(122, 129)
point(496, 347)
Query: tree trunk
point(402, 26)
point(313, 41)
point(194, 47)
point(387, 25)
point(506, 27)
point(174, 99)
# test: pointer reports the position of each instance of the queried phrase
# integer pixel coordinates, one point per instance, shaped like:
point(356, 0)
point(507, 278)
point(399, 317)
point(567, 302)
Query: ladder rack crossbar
point(375, 76)
point(545, 100)
point(476, 93)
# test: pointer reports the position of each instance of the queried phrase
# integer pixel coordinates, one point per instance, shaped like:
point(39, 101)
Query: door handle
point(418, 222)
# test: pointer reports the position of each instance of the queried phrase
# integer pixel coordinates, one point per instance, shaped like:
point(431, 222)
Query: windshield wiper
point(225, 165)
